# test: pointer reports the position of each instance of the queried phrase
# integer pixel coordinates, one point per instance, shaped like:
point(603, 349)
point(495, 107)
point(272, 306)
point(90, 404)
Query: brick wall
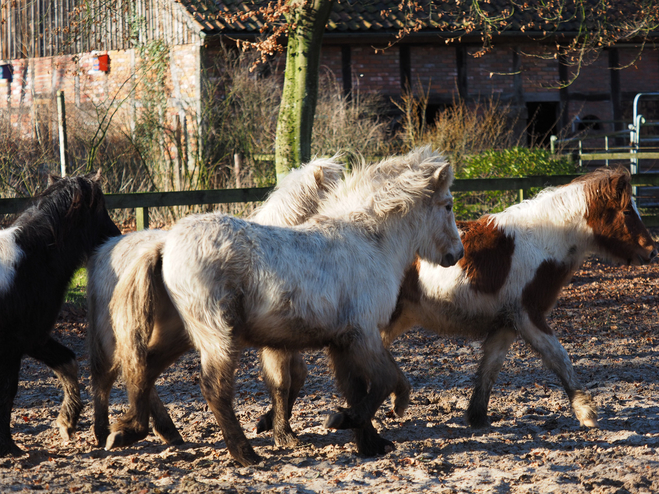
point(490, 74)
point(30, 97)
point(641, 71)
point(539, 69)
point(376, 72)
point(331, 64)
point(434, 67)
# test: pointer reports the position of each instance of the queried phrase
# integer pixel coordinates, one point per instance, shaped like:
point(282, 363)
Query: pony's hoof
point(375, 446)
point(286, 440)
point(66, 433)
point(101, 438)
point(334, 421)
point(11, 450)
point(114, 440)
point(590, 423)
point(265, 423)
point(340, 420)
point(120, 439)
point(247, 458)
point(400, 406)
point(585, 409)
point(171, 438)
point(477, 420)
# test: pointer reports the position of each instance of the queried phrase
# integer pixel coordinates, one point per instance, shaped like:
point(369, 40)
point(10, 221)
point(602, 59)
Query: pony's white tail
point(134, 307)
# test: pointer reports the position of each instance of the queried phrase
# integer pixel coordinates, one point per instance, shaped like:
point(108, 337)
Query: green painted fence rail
point(142, 201)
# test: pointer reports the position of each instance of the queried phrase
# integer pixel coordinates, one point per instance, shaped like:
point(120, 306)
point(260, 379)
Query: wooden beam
point(618, 156)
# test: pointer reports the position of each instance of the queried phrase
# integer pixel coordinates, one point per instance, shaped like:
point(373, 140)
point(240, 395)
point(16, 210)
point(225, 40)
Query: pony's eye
point(449, 207)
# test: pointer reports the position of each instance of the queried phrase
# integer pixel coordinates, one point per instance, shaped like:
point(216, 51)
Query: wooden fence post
point(237, 165)
point(141, 218)
point(61, 123)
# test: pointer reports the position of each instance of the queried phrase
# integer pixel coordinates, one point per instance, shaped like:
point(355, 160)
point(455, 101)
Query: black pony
point(38, 255)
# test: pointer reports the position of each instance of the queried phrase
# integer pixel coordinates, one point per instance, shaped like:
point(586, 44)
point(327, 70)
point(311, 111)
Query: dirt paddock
point(606, 318)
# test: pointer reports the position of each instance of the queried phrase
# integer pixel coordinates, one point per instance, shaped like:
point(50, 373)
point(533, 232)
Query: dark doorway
point(541, 124)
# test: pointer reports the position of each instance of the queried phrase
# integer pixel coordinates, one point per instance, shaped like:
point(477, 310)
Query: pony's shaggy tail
point(134, 307)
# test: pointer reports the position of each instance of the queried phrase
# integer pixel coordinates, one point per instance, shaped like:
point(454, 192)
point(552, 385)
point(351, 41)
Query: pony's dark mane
point(60, 210)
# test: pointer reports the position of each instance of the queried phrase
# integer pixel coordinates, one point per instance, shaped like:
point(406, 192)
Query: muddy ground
point(606, 318)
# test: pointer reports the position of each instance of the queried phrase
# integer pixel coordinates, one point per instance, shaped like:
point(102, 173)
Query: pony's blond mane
point(297, 197)
point(392, 186)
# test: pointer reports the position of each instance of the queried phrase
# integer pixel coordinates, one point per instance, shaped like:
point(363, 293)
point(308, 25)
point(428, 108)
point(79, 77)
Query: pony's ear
point(319, 175)
point(98, 175)
point(442, 177)
point(53, 179)
point(622, 185)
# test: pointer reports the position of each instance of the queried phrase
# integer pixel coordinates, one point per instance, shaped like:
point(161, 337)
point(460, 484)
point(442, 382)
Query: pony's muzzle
point(449, 259)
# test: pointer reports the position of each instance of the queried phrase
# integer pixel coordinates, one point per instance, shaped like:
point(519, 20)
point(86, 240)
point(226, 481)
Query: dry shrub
point(24, 162)
point(463, 130)
point(352, 124)
point(460, 130)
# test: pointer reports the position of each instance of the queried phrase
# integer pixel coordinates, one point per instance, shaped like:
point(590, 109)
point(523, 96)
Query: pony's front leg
point(10, 363)
point(495, 349)
point(355, 368)
point(284, 374)
point(217, 386)
point(557, 360)
point(63, 363)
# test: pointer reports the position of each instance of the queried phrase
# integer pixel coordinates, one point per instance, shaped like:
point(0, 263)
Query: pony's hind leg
point(63, 362)
point(103, 374)
point(401, 394)
point(140, 379)
point(495, 348)
point(557, 360)
point(10, 363)
point(217, 386)
point(101, 387)
point(284, 374)
point(355, 370)
point(163, 425)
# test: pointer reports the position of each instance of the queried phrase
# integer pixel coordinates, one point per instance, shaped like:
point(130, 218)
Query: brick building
point(103, 66)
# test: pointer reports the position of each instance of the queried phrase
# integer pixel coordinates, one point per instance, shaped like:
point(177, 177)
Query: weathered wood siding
point(45, 28)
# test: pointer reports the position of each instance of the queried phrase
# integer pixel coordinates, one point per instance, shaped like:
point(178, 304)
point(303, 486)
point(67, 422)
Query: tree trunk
point(298, 104)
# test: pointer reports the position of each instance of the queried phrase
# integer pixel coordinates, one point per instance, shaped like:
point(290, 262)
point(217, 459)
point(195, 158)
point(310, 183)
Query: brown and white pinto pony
point(514, 267)
point(515, 264)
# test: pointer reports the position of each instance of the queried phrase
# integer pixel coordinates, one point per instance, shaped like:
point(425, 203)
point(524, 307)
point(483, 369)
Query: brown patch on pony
point(615, 223)
point(541, 293)
point(488, 254)
point(409, 289)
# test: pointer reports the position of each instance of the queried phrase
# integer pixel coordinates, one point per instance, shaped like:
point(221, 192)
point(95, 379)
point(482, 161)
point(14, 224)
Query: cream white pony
point(330, 282)
point(144, 347)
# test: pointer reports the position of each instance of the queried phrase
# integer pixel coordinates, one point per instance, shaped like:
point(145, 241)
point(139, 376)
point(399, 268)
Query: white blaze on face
point(10, 256)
